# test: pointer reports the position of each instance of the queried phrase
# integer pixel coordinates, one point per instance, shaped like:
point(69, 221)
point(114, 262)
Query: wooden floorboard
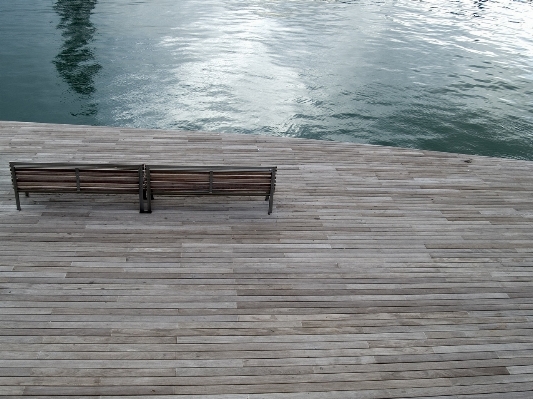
point(381, 273)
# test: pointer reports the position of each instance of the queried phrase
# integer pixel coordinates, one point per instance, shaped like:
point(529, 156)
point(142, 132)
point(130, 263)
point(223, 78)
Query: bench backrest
point(50, 177)
point(171, 180)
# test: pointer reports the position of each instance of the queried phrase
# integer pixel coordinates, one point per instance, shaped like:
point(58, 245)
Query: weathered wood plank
point(382, 273)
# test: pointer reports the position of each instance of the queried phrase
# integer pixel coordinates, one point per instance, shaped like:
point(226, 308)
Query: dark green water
point(451, 76)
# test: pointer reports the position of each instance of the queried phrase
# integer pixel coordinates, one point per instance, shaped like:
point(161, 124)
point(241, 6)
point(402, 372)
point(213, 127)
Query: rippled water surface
point(442, 75)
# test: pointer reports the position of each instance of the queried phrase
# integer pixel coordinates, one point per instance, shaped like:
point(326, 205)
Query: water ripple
point(451, 76)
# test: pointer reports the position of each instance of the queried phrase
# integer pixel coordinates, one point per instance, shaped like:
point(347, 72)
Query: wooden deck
point(382, 273)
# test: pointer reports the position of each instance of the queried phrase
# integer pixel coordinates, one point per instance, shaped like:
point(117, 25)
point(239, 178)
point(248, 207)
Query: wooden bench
point(72, 178)
point(210, 180)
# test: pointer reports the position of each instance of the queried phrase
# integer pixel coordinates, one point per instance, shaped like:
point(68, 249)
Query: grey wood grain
point(382, 273)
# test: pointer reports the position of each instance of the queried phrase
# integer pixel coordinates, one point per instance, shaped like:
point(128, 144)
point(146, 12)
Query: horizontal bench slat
point(83, 186)
point(45, 172)
point(116, 190)
point(113, 180)
point(178, 178)
point(73, 180)
point(216, 193)
point(48, 189)
point(166, 185)
point(73, 171)
point(87, 190)
point(215, 179)
point(206, 176)
point(46, 179)
point(204, 183)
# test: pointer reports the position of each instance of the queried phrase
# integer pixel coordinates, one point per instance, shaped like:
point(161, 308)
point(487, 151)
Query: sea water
point(452, 76)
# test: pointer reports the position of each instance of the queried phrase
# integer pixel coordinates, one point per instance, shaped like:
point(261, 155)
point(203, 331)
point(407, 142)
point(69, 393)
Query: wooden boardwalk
point(382, 273)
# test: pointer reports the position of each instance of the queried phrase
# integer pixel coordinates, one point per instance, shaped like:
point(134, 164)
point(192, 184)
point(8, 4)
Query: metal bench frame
point(253, 190)
point(78, 186)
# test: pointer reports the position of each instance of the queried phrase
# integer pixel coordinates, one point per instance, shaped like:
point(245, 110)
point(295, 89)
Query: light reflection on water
point(449, 76)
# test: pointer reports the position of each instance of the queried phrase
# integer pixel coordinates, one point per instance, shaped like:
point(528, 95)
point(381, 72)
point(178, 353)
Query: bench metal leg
point(145, 197)
point(141, 190)
point(15, 187)
point(149, 196)
point(17, 199)
point(272, 188)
